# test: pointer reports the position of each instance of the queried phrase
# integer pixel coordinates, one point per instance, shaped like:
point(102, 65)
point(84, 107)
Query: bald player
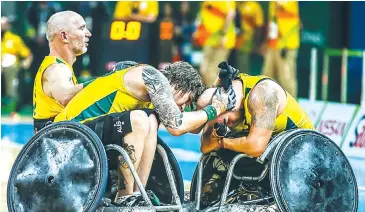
point(55, 83)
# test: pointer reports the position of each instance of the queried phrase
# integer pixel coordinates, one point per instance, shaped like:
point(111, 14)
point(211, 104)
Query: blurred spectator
point(143, 11)
point(184, 29)
point(15, 55)
point(216, 33)
point(283, 43)
point(100, 22)
point(166, 45)
point(96, 16)
point(250, 33)
point(37, 15)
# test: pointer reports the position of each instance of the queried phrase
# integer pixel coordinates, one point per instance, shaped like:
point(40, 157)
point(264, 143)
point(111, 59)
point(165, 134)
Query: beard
point(79, 48)
point(80, 51)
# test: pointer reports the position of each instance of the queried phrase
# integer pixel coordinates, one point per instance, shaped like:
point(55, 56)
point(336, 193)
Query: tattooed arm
point(175, 121)
point(263, 104)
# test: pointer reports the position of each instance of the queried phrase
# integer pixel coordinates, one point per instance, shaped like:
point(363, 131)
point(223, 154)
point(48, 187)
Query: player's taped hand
point(224, 101)
point(231, 98)
point(227, 73)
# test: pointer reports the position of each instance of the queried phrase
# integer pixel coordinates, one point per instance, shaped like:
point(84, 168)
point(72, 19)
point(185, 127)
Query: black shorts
point(112, 128)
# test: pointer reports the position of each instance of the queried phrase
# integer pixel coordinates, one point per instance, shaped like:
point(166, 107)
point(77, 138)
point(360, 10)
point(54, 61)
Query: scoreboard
point(128, 40)
point(149, 43)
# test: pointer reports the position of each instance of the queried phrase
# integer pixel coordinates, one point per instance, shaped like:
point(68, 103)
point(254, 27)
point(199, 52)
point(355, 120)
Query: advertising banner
point(354, 143)
point(314, 109)
point(335, 120)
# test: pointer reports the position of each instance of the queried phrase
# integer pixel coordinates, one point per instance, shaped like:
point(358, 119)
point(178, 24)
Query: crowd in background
point(221, 31)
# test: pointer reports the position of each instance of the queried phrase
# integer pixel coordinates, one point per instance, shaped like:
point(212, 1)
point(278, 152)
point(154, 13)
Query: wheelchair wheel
point(158, 182)
point(62, 168)
point(309, 172)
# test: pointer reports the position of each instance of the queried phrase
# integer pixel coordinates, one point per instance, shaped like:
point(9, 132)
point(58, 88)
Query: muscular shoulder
point(54, 76)
point(57, 71)
point(264, 101)
point(266, 92)
point(141, 79)
point(160, 94)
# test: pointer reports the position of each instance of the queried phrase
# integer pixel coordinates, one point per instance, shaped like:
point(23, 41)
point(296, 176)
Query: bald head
point(61, 21)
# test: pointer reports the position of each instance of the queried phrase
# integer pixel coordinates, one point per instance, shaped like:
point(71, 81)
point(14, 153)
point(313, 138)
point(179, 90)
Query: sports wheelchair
point(306, 171)
point(64, 167)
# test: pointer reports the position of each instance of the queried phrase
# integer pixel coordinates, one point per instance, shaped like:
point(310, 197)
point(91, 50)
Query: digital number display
point(120, 30)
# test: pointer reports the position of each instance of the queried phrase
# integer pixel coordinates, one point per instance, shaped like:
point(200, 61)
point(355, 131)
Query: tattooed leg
point(132, 155)
point(134, 143)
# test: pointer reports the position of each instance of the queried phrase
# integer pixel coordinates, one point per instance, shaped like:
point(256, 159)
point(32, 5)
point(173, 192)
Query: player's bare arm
point(209, 139)
point(57, 83)
point(263, 105)
point(160, 93)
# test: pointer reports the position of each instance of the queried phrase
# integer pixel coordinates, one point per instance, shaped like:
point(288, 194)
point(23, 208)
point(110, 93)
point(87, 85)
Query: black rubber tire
point(98, 146)
point(275, 181)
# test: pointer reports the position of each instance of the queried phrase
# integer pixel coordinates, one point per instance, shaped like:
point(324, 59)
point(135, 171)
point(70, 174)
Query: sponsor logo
point(118, 124)
point(359, 134)
point(332, 127)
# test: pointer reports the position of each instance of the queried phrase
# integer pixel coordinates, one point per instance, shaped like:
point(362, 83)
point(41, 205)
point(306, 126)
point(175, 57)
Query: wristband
point(211, 112)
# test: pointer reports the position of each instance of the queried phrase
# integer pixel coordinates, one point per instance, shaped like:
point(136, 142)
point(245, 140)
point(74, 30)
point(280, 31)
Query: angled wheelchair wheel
point(158, 181)
point(62, 168)
point(309, 172)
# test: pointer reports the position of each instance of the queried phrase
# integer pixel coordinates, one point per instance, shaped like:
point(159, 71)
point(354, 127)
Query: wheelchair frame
point(170, 176)
point(269, 150)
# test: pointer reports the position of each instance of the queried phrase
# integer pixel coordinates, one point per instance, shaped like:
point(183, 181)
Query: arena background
point(328, 29)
